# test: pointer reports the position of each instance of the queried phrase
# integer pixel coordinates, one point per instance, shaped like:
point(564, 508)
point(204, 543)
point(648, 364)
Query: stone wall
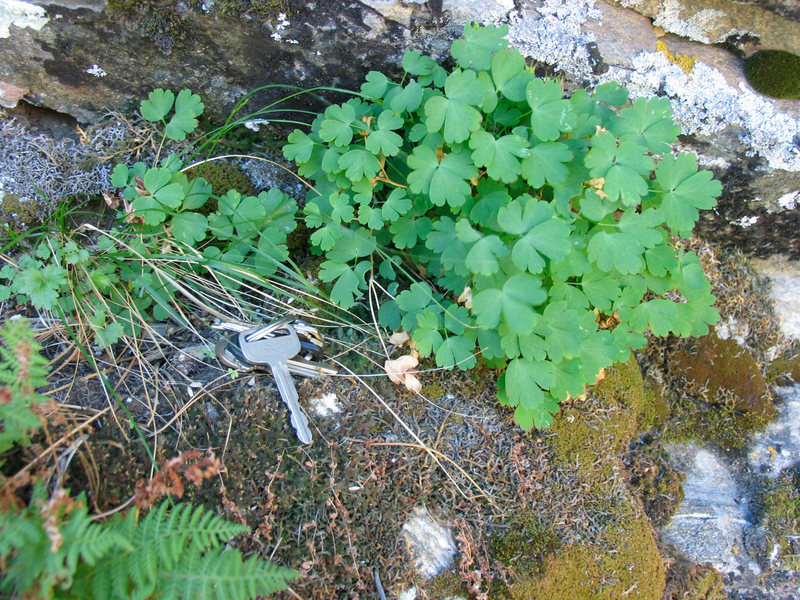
point(85, 57)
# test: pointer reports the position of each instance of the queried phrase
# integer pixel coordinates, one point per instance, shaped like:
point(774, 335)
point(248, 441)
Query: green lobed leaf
point(510, 74)
point(158, 104)
point(498, 155)
point(375, 86)
point(299, 148)
point(444, 181)
point(550, 114)
point(384, 140)
point(545, 162)
point(456, 350)
point(338, 124)
point(478, 46)
point(359, 164)
point(685, 190)
point(650, 122)
point(540, 232)
point(514, 303)
point(189, 227)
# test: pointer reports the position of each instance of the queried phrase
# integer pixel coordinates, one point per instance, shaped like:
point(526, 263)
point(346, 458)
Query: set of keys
point(278, 347)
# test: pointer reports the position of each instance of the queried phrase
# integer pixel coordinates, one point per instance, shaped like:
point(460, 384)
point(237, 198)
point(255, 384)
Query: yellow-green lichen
point(578, 438)
point(684, 61)
point(19, 216)
point(774, 73)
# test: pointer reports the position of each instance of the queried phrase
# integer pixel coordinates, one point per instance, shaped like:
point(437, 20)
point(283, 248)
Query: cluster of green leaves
point(527, 213)
point(53, 549)
point(22, 371)
point(113, 284)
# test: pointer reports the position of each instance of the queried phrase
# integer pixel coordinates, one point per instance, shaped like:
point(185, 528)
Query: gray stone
point(430, 545)
point(710, 523)
point(778, 447)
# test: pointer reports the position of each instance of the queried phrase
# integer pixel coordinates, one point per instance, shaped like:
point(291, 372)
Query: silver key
point(275, 351)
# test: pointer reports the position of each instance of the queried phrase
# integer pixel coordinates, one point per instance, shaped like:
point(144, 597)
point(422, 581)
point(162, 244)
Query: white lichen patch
point(730, 328)
point(784, 279)
point(789, 201)
point(20, 14)
point(553, 33)
point(430, 544)
point(778, 447)
point(326, 405)
point(703, 102)
point(478, 11)
point(409, 594)
point(746, 221)
point(280, 25)
point(96, 71)
point(695, 26)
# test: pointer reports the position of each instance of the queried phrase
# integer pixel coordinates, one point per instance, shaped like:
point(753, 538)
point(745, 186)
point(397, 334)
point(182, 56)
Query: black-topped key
point(275, 351)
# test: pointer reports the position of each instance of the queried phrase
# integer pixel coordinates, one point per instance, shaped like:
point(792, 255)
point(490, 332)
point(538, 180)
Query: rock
point(778, 448)
point(85, 57)
point(741, 24)
point(710, 523)
point(784, 277)
point(430, 545)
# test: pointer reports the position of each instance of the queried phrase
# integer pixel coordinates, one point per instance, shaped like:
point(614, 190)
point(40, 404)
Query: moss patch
point(716, 369)
point(781, 517)
point(626, 564)
point(691, 581)
point(622, 559)
point(774, 73)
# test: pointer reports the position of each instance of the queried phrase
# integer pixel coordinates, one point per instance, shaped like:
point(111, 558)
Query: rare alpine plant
point(507, 222)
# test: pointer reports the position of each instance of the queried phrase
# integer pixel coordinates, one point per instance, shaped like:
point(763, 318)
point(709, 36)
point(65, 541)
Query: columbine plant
point(524, 217)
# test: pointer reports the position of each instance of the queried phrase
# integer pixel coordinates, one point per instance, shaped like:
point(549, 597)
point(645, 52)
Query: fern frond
point(21, 372)
point(222, 575)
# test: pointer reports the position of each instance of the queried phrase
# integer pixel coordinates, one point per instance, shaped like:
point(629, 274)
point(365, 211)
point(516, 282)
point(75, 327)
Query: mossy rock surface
point(716, 369)
point(622, 561)
point(780, 517)
point(774, 73)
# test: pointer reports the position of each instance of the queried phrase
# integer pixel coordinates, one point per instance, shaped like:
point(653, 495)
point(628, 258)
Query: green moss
point(774, 73)
point(623, 560)
point(526, 545)
point(578, 440)
point(784, 370)
point(263, 9)
point(714, 370)
point(432, 391)
point(222, 177)
point(19, 216)
point(625, 563)
point(781, 517)
point(721, 424)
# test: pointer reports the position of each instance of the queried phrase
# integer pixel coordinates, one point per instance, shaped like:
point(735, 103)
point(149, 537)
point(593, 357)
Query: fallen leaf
point(466, 297)
point(397, 370)
point(399, 338)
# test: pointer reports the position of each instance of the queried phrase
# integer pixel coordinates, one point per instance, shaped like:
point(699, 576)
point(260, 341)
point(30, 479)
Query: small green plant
point(523, 217)
point(22, 371)
point(171, 226)
point(54, 548)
